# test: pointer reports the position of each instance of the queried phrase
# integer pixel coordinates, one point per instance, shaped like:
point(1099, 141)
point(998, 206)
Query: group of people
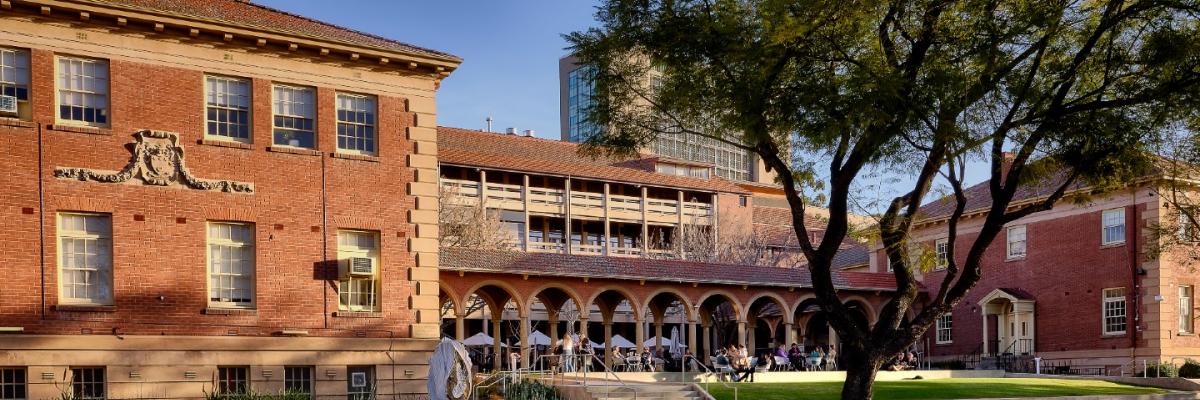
point(573, 354)
point(902, 361)
point(736, 361)
point(820, 357)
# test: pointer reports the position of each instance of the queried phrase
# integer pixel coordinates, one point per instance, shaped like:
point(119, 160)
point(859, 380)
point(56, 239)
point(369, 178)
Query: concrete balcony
point(588, 205)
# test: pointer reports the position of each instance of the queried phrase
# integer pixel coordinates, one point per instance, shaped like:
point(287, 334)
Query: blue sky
point(510, 50)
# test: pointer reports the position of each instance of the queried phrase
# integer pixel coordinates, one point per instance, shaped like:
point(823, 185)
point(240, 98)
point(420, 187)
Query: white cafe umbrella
point(537, 338)
point(675, 346)
point(667, 343)
point(622, 342)
point(480, 339)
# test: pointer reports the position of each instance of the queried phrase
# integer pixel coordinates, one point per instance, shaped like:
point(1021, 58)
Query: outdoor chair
point(619, 365)
point(782, 364)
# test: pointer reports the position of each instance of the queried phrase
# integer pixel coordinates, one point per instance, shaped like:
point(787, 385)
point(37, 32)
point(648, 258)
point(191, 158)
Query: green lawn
point(964, 388)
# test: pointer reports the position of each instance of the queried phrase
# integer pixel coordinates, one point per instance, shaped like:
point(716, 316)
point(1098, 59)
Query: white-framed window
point(295, 115)
point(1017, 241)
point(298, 379)
point(945, 328)
point(88, 383)
point(1188, 230)
point(1113, 229)
point(233, 380)
point(358, 293)
point(85, 266)
point(1114, 311)
point(227, 107)
point(231, 264)
point(360, 382)
point(13, 383)
point(1186, 309)
point(356, 123)
point(941, 249)
point(83, 90)
point(14, 78)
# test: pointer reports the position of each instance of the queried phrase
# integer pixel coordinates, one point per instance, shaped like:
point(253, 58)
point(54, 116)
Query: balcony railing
point(587, 249)
point(697, 210)
point(625, 251)
point(505, 193)
point(545, 247)
point(461, 188)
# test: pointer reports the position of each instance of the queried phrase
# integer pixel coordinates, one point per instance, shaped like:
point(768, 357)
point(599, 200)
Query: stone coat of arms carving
point(157, 160)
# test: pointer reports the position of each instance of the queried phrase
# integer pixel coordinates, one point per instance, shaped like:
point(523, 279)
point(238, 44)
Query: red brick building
point(1078, 286)
point(212, 195)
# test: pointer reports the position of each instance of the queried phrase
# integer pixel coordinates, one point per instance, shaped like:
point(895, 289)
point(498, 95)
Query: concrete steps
point(645, 391)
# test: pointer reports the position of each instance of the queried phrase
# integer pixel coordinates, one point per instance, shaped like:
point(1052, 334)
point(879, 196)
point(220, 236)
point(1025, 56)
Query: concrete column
point(789, 333)
point(607, 228)
point(985, 331)
point(645, 229)
point(708, 344)
point(658, 335)
point(833, 339)
point(640, 333)
point(482, 187)
point(567, 207)
point(691, 338)
point(499, 361)
point(525, 198)
point(526, 355)
point(460, 328)
point(608, 353)
point(751, 329)
point(553, 321)
point(741, 332)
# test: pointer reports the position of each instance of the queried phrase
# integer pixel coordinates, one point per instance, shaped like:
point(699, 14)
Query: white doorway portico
point(1012, 330)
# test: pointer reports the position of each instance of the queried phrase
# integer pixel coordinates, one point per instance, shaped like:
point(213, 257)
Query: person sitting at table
point(796, 357)
point(814, 358)
point(647, 360)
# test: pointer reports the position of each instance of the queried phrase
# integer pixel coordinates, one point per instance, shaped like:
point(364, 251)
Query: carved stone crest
point(157, 160)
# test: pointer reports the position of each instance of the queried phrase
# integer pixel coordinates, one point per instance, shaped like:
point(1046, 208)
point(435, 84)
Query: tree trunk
point(860, 377)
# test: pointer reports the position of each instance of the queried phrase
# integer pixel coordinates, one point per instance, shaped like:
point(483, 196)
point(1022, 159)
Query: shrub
point(1157, 369)
point(1190, 369)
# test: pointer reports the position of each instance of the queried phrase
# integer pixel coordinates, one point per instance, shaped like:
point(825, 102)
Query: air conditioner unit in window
point(358, 266)
point(8, 105)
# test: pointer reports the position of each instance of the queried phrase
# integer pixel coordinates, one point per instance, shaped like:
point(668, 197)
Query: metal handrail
point(589, 357)
point(708, 371)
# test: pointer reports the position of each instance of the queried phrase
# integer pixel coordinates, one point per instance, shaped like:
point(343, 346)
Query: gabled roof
point(553, 264)
point(979, 197)
point(474, 148)
point(245, 14)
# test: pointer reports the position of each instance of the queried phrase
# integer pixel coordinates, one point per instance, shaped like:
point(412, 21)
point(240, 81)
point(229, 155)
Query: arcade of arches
point(510, 307)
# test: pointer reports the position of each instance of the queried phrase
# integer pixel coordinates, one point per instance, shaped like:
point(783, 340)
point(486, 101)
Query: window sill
point(16, 122)
point(359, 157)
point(1112, 335)
point(358, 314)
point(1185, 334)
point(90, 130)
point(226, 143)
point(293, 150)
point(943, 343)
point(85, 308)
point(1112, 245)
point(1014, 258)
point(230, 311)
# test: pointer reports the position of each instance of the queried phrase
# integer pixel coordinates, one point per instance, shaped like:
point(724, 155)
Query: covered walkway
point(510, 295)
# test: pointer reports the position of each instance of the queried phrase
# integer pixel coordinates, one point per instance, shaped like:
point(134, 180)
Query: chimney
point(511, 131)
point(489, 124)
point(1005, 165)
point(529, 133)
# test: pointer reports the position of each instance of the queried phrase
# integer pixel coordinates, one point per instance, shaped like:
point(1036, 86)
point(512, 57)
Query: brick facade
point(301, 199)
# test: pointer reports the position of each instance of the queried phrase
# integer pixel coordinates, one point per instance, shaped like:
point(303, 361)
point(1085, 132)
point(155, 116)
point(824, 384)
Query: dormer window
point(694, 171)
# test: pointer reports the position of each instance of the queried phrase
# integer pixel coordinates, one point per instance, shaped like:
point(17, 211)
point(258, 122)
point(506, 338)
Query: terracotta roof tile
point(515, 262)
point(979, 197)
point(519, 153)
point(249, 15)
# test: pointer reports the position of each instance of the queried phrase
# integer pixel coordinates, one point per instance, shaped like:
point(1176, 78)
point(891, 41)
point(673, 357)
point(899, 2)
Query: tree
point(1062, 96)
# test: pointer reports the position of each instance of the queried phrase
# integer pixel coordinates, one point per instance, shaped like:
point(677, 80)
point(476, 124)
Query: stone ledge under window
point(90, 130)
point(226, 143)
point(293, 150)
point(230, 311)
point(16, 122)
point(358, 157)
point(358, 314)
point(1112, 245)
point(84, 308)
